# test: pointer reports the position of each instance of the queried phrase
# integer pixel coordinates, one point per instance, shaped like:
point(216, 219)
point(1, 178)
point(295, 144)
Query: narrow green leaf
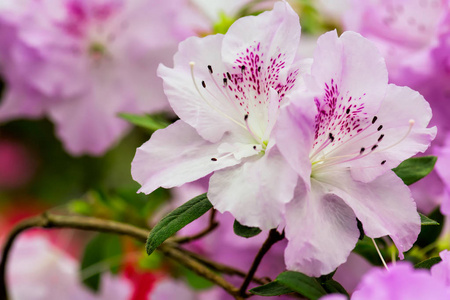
point(102, 248)
point(427, 264)
point(150, 122)
point(425, 221)
point(415, 168)
point(245, 231)
point(176, 220)
point(302, 284)
point(273, 288)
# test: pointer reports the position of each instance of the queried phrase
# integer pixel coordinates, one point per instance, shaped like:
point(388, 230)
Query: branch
point(186, 239)
point(169, 249)
point(274, 237)
point(224, 269)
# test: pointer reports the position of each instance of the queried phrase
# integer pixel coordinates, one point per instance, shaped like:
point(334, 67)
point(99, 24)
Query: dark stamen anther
point(214, 159)
point(245, 117)
point(203, 84)
point(259, 69)
point(347, 111)
point(210, 69)
point(374, 119)
point(380, 127)
point(254, 147)
point(362, 150)
point(225, 81)
point(229, 76)
point(374, 147)
point(331, 137)
point(243, 69)
point(383, 162)
point(381, 137)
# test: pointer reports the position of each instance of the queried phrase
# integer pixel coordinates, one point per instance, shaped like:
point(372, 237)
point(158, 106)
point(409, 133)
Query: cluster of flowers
point(303, 145)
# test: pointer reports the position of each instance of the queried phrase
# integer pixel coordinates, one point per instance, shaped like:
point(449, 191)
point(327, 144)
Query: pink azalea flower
point(403, 282)
point(227, 91)
point(81, 62)
point(343, 148)
point(38, 270)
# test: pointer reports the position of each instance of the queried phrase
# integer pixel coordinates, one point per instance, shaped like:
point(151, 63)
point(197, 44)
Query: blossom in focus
point(82, 62)
point(343, 146)
point(227, 91)
point(38, 270)
point(403, 282)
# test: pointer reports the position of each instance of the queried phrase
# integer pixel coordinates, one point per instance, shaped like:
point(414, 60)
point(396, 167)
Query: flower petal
point(321, 229)
point(394, 138)
point(256, 191)
point(281, 28)
point(351, 75)
point(175, 155)
point(86, 125)
point(204, 108)
point(294, 132)
point(384, 206)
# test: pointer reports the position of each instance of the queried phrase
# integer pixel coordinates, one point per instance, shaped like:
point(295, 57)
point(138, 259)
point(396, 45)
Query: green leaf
point(415, 168)
point(427, 264)
point(273, 288)
point(245, 231)
point(102, 248)
point(302, 284)
point(150, 122)
point(425, 221)
point(176, 220)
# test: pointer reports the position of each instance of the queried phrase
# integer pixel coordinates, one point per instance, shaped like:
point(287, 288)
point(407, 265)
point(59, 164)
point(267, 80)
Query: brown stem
point(223, 268)
point(274, 237)
point(186, 239)
point(93, 224)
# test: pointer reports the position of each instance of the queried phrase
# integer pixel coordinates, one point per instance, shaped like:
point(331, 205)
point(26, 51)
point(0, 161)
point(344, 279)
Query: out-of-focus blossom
point(405, 31)
point(403, 282)
point(38, 270)
point(227, 90)
point(17, 165)
point(81, 62)
point(343, 148)
point(442, 168)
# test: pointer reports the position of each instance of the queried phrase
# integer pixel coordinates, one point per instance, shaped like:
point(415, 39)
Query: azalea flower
point(227, 91)
point(343, 146)
point(403, 282)
point(81, 62)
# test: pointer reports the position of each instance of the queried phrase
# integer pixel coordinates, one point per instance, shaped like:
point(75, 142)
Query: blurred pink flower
point(81, 62)
point(403, 282)
point(38, 270)
point(343, 148)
